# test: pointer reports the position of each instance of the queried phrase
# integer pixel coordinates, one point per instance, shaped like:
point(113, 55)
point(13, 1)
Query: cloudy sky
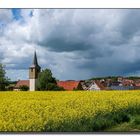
point(73, 43)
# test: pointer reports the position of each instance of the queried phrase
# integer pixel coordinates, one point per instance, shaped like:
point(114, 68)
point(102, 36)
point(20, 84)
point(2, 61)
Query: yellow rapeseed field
point(65, 110)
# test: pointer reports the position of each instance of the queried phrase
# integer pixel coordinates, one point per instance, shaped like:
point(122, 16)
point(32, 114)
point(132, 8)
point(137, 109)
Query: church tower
point(34, 70)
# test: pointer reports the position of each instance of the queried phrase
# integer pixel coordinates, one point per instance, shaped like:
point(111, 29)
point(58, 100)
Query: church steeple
point(35, 59)
point(35, 62)
point(34, 70)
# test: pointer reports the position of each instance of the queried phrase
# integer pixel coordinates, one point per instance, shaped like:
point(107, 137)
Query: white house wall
point(94, 87)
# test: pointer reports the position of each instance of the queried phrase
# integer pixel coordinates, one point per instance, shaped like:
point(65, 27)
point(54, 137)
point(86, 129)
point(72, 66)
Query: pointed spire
point(35, 63)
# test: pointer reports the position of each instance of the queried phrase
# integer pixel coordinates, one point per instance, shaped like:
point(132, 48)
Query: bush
point(136, 120)
point(24, 88)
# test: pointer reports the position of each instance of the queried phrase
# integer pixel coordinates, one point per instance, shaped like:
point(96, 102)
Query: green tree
point(3, 79)
point(24, 88)
point(46, 81)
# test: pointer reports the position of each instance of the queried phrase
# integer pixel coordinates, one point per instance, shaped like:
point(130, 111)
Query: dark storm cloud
point(60, 45)
point(130, 23)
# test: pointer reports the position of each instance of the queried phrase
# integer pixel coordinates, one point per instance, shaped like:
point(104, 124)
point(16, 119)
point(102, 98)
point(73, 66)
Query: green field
point(73, 111)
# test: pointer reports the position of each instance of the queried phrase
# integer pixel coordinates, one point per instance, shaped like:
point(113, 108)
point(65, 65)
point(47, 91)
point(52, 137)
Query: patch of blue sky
point(16, 14)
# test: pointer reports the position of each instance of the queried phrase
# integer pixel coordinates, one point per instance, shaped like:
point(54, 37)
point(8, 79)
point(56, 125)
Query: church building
point(34, 70)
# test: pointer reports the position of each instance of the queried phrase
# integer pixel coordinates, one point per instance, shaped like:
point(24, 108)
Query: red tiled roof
point(137, 84)
point(21, 83)
point(127, 82)
point(68, 85)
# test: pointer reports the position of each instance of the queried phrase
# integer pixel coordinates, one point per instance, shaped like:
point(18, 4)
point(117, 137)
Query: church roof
point(21, 83)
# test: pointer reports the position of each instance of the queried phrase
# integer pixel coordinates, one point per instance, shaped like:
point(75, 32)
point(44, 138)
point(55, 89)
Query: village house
point(127, 82)
point(137, 83)
point(21, 83)
point(121, 87)
point(120, 79)
point(93, 85)
point(70, 85)
point(124, 84)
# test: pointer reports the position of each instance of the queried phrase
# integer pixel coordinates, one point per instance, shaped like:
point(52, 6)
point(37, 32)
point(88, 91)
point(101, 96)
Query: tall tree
point(46, 81)
point(3, 78)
